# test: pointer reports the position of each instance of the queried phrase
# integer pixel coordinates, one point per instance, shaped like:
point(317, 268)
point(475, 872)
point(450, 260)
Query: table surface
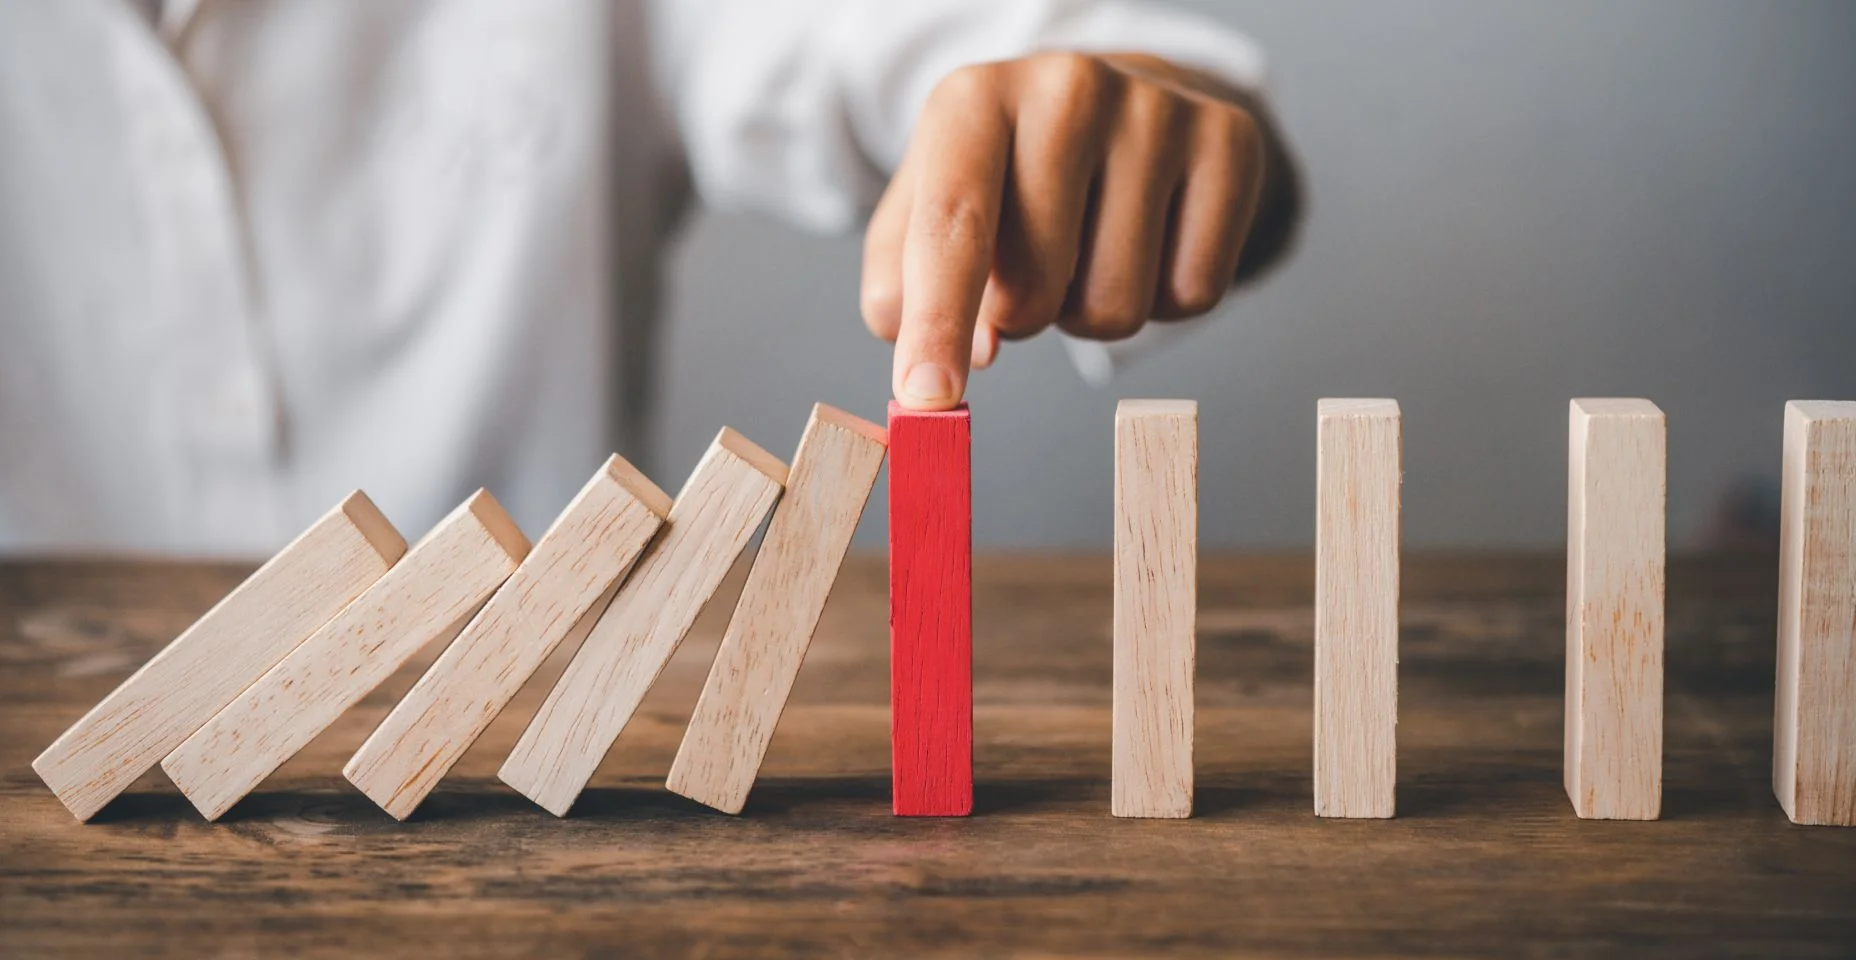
point(1485, 856)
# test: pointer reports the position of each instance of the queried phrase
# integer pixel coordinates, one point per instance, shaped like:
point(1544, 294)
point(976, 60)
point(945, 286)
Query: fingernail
point(929, 383)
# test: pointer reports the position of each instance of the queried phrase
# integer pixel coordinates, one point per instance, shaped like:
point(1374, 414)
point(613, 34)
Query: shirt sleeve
point(800, 108)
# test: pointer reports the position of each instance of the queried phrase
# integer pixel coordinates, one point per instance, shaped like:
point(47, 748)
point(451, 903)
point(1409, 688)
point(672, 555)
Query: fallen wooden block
point(240, 638)
point(557, 587)
point(1156, 606)
point(1814, 735)
point(930, 612)
point(833, 471)
point(1358, 475)
point(711, 521)
point(1614, 610)
point(430, 594)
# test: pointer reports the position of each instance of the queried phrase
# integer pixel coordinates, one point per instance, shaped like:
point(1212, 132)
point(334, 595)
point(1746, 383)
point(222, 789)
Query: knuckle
point(1111, 318)
point(1197, 295)
point(1074, 81)
point(1234, 130)
point(1023, 309)
point(1149, 107)
point(956, 219)
point(964, 86)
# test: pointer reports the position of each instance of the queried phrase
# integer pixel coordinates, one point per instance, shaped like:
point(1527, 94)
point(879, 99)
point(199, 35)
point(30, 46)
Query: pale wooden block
point(1814, 730)
point(1358, 476)
point(833, 471)
point(1156, 606)
point(712, 520)
point(572, 567)
point(1614, 609)
point(428, 595)
point(240, 638)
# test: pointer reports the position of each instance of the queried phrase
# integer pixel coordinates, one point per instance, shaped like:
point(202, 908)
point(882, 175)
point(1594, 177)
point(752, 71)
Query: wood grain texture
point(589, 547)
point(428, 596)
point(931, 612)
point(1357, 493)
point(1156, 606)
point(1486, 859)
point(1814, 726)
point(216, 658)
point(711, 522)
point(833, 472)
point(1614, 609)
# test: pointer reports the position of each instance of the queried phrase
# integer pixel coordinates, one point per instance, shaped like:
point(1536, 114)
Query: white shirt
point(256, 254)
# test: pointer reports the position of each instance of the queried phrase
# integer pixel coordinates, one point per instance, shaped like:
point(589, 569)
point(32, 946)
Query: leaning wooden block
point(589, 547)
point(1614, 610)
point(931, 612)
point(1156, 605)
point(712, 520)
point(1814, 731)
point(1358, 475)
point(255, 626)
point(428, 595)
point(833, 471)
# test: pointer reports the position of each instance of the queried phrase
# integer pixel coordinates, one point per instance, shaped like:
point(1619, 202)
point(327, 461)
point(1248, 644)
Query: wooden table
point(1485, 856)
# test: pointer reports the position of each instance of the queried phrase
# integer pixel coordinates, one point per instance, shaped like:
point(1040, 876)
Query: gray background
point(1512, 204)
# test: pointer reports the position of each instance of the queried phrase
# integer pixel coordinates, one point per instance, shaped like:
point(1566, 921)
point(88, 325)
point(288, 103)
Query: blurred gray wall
point(1513, 203)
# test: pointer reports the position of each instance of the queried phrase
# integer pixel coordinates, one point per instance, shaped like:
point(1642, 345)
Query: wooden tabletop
point(1485, 856)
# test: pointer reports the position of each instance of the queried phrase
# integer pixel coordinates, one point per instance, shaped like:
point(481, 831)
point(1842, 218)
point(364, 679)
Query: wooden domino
point(1814, 730)
point(589, 547)
point(1614, 609)
point(712, 520)
point(214, 660)
point(931, 612)
point(429, 594)
point(1358, 477)
point(1156, 603)
point(833, 472)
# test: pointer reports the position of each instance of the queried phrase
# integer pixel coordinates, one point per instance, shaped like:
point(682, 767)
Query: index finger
point(959, 153)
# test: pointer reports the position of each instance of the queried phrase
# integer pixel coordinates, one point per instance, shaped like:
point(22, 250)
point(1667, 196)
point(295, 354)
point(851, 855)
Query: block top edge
point(1356, 407)
point(732, 441)
point(1135, 407)
point(1615, 407)
point(826, 413)
point(898, 410)
point(499, 525)
point(638, 485)
point(374, 526)
point(1824, 409)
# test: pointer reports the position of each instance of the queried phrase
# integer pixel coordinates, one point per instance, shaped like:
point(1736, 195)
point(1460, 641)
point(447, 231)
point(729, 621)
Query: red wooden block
point(931, 612)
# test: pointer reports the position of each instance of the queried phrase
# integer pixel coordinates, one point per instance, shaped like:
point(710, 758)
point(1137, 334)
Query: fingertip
point(985, 346)
point(927, 385)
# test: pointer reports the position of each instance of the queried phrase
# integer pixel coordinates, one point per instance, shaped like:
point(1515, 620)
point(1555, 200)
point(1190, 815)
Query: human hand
point(1090, 191)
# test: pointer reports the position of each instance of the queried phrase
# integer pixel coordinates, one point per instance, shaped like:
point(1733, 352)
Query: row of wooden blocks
point(621, 574)
point(1612, 764)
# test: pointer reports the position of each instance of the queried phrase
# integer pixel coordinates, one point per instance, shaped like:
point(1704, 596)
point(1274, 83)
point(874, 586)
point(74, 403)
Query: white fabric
point(256, 254)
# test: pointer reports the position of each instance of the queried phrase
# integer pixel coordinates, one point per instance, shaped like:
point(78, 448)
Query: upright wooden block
point(931, 612)
point(572, 567)
point(1156, 605)
point(1814, 730)
point(713, 519)
point(833, 471)
point(240, 638)
point(1356, 607)
point(429, 594)
point(1614, 609)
